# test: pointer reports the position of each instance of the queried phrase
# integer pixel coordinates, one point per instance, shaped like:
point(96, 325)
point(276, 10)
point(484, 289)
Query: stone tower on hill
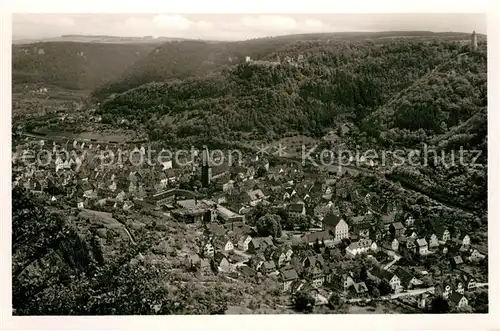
point(473, 42)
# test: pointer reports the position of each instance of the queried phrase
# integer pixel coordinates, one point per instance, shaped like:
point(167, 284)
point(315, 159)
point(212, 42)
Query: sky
point(234, 26)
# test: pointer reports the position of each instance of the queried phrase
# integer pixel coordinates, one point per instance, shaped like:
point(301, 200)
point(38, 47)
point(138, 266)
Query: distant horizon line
point(19, 38)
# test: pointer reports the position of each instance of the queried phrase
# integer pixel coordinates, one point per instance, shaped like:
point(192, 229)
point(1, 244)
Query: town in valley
point(263, 231)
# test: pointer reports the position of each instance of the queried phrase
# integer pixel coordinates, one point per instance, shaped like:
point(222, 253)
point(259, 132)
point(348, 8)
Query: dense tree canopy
point(58, 271)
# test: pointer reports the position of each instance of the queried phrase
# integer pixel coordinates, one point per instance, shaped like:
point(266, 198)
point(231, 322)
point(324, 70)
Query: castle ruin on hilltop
point(287, 60)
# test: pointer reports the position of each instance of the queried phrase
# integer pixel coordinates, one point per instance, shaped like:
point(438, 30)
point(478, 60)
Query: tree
point(197, 184)
point(303, 302)
point(375, 292)
point(286, 221)
point(261, 171)
point(269, 225)
point(256, 214)
point(317, 246)
point(334, 300)
point(439, 305)
point(384, 287)
point(363, 273)
point(465, 310)
point(70, 281)
point(302, 222)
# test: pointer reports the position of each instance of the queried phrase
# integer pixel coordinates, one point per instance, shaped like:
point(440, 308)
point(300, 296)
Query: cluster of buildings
point(220, 199)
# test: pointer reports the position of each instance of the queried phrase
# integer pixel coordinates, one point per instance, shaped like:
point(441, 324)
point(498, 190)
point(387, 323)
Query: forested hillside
point(344, 80)
point(73, 65)
point(190, 58)
point(447, 97)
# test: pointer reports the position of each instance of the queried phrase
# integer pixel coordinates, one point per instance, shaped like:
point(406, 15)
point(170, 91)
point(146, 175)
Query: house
point(459, 286)
point(363, 230)
point(208, 249)
point(226, 214)
point(214, 229)
point(329, 271)
point(256, 196)
point(433, 241)
point(382, 274)
point(466, 240)
point(279, 258)
point(360, 288)
point(468, 281)
point(423, 248)
point(395, 244)
point(388, 219)
point(360, 225)
point(222, 262)
point(476, 256)
point(127, 205)
point(458, 300)
point(132, 188)
point(410, 221)
point(407, 280)
point(88, 190)
point(444, 290)
point(313, 261)
point(289, 193)
point(347, 282)
point(247, 271)
point(322, 210)
point(268, 267)
point(397, 229)
point(256, 262)
point(456, 261)
point(441, 231)
point(223, 244)
point(260, 243)
point(337, 226)
point(376, 233)
point(112, 187)
point(287, 277)
point(243, 242)
point(422, 300)
point(120, 196)
point(361, 246)
point(296, 209)
point(288, 254)
point(282, 256)
point(323, 237)
point(316, 276)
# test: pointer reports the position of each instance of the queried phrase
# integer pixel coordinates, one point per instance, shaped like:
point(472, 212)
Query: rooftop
point(422, 242)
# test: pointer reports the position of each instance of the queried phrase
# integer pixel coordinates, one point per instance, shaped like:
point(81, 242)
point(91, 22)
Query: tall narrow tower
point(206, 171)
point(473, 42)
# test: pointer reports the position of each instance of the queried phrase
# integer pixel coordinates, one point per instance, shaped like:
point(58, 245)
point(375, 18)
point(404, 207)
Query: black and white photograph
point(249, 164)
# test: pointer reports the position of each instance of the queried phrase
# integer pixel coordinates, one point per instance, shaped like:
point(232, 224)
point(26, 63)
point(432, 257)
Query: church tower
point(473, 42)
point(206, 171)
